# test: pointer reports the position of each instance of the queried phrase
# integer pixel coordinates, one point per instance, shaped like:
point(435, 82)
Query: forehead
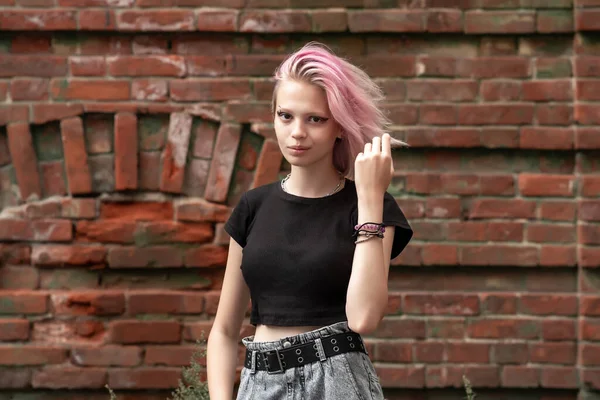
point(301, 97)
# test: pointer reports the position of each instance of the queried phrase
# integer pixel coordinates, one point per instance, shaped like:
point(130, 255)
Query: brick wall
point(129, 128)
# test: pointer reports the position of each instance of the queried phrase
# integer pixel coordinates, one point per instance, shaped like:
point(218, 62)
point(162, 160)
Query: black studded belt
point(277, 361)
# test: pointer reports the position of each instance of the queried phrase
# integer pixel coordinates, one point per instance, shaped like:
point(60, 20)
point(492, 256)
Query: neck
point(304, 182)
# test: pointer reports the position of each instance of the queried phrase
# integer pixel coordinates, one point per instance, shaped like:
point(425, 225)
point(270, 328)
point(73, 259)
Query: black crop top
point(298, 252)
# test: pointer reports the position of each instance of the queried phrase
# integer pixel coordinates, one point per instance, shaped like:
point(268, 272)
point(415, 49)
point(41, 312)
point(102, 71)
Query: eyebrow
point(318, 113)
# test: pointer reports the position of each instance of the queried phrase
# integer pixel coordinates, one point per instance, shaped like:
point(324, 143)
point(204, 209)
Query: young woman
point(312, 251)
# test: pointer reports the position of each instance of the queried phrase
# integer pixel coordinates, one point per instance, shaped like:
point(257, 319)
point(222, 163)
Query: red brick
point(444, 208)
point(587, 114)
point(387, 21)
point(429, 352)
point(444, 21)
point(271, 21)
point(97, 90)
point(24, 160)
point(547, 138)
point(440, 304)
point(32, 65)
point(399, 352)
point(438, 114)
point(97, 20)
point(47, 20)
point(59, 377)
point(29, 89)
point(76, 163)
point(589, 210)
point(171, 231)
point(548, 304)
point(206, 256)
point(495, 114)
point(494, 67)
point(499, 22)
point(53, 179)
point(179, 356)
point(590, 186)
point(15, 253)
point(248, 112)
point(505, 231)
point(589, 257)
point(329, 20)
point(499, 255)
point(147, 378)
point(107, 355)
point(107, 231)
point(402, 377)
point(18, 277)
point(559, 329)
point(587, 66)
point(587, 138)
point(210, 89)
point(201, 210)
point(137, 211)
point(42, 113)
point(62, 255)
point(163, 302)
point(503, 328)
point(492, 208)
point(209, 65)
point(558, 256)
point(500, 90)
point(510, 353)
point(150, 89)
point(32, 43)
point(174, 155)
point(147, 257)
point(555, 21)
point(131, 332)
point(467, 231)
point(217, 20)
point(152, 65)
point(468, 353)
point(88, 303)
point(499, 304)
point(401, 328)
point(558, 210)
point(31, 355)
point(154, 20)
point(589, 234)
point(442, 137)
point(559, 377)
point(548, 90)
point(268, 165)
point(87, 65)
point(446, 328)
point(15, 378)
point(50, 230)
point(587, 20)
point(551, 233)
point(126, 151)
point(228, 139)
point(520, 376)
point(14, 329)
point(553, 353)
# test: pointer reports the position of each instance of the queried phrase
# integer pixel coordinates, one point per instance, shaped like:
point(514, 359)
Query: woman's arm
point(222, 349)
point(367, 294)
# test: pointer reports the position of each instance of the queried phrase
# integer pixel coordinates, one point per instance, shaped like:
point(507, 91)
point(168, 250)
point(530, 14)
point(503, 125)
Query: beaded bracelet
point(370, 228)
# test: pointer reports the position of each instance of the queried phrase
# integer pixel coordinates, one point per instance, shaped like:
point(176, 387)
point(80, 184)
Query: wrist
point(370, 211)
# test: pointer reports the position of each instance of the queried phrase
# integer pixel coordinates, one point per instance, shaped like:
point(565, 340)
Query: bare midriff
point(268, 333)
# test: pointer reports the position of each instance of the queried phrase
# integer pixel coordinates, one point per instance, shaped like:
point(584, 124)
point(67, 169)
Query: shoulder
point(257, 195)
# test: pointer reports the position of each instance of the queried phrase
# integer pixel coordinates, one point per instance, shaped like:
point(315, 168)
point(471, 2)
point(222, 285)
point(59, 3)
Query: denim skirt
point(346, 376)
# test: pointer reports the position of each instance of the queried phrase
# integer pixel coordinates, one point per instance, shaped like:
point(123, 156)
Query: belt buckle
point(268, 364)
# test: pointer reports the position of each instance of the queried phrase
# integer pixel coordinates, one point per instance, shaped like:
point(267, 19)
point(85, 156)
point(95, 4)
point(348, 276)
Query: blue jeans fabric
point(345, 376)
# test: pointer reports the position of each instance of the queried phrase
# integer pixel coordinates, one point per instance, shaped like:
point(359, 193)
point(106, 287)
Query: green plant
point(470, 393)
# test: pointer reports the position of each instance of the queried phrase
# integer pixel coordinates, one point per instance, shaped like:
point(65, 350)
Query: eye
point(317, 120)
point(284, 116)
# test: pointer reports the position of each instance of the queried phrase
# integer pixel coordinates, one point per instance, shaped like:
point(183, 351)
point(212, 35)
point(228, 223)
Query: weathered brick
point(274, 21)
point(49, 20)
point(548, 138)
point(221, 169)
point(477, 22)
point(76, 161)
point(146, 378)
point(131, 332)
point(174, 155)
point(97, 90)
point(24, 160)
point(151, 20)
point(546, 185)
point(14, 329)
point(36, 230)
point(387, 21)
point(165, 302)
point(32, 355)
point(107, 356)
point(152, 65)
point(126, 151)
point(35, 89)
point(62, 255)
point(217, 20)
point(59, 377)
point(210, 89)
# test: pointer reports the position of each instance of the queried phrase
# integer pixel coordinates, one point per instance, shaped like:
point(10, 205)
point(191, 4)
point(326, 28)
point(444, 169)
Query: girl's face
point(305, 130)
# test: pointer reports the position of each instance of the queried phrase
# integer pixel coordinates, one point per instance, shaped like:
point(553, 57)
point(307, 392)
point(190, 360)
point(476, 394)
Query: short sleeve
point(393, 216)
point(238, 222)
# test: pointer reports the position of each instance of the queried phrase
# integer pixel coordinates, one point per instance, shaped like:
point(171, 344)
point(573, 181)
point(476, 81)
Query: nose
point(298, 129)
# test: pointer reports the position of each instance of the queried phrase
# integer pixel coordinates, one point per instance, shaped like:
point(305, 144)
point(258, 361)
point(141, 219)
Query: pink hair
point(352, 96)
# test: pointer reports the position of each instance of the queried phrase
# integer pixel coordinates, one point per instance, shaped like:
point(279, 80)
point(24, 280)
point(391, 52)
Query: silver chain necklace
point(328, 194)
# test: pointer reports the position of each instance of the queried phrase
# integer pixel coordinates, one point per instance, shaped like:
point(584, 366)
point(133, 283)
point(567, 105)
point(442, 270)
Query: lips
point(298, 148)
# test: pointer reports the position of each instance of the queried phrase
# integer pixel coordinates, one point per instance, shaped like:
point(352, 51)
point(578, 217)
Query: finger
point(367, 148)
point(376, 144)
point(386, 146)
